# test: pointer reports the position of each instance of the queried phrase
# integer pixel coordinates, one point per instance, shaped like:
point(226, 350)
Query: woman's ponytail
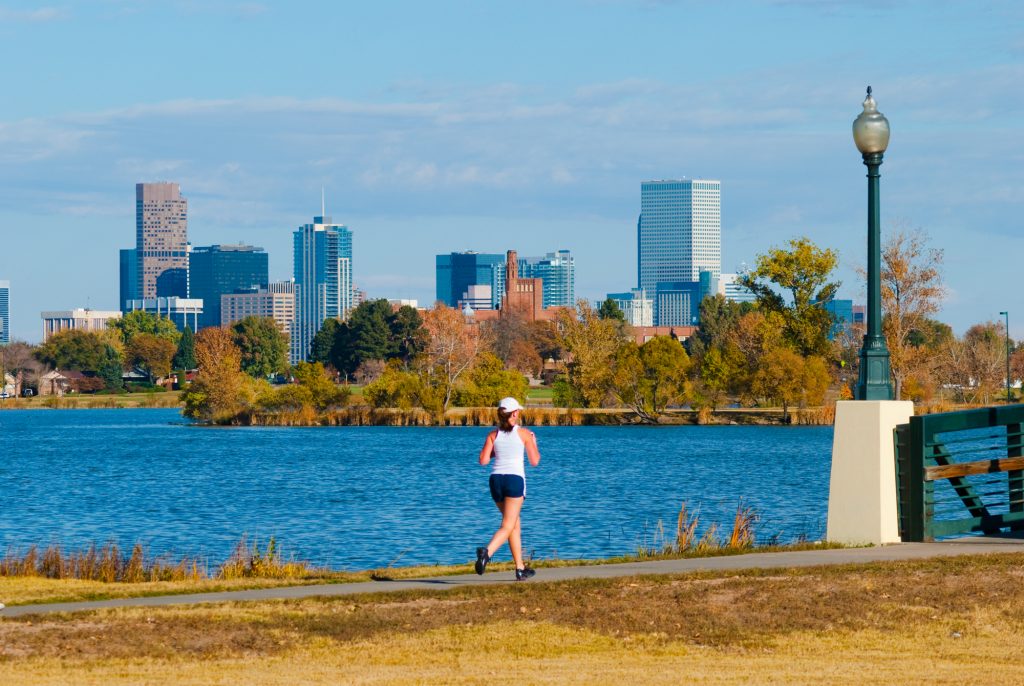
point(504, 420)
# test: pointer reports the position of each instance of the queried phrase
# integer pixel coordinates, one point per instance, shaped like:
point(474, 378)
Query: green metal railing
point(966, 454)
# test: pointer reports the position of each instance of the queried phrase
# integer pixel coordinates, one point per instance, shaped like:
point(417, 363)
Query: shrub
point(289, 397)
point(396, 387)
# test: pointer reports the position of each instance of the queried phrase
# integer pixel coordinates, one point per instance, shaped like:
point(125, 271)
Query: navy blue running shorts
point(507, 486)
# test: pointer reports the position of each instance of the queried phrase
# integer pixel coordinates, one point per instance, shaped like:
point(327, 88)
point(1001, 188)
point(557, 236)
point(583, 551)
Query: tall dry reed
point(110, 564)
point(686, 539)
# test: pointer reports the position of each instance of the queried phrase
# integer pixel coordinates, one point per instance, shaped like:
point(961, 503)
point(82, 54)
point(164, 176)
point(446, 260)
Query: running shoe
point(482, 558)
point(524, 574)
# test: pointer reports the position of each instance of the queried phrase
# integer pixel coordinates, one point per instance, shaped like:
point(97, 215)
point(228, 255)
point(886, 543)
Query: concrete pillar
point(862, 489)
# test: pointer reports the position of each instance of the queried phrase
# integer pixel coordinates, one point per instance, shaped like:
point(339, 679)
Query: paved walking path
point(807, 558)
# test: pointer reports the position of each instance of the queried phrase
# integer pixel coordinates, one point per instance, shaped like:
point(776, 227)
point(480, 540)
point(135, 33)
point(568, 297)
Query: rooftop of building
point(79, 313)
point(238, 247)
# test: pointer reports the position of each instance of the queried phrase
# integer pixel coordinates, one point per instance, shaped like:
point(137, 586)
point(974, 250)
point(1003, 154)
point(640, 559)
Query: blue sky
point(484, 125)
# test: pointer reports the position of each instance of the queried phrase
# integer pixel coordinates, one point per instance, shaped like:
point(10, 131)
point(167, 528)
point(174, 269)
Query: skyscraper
point(457, 271)
point(218, 270)
point(129, 286)
point(679, 233)
point(5, 312)
point(161, 240)
point(558, 271)
point(323, 280)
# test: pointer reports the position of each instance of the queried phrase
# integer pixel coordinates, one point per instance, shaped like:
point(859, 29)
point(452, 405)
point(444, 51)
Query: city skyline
point(465, 141)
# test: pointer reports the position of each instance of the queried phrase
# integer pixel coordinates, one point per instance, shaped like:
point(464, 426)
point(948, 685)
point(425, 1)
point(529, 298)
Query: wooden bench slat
point(1005, 464)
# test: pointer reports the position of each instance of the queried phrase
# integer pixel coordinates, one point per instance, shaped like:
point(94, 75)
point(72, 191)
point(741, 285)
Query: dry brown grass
point(77, 401)
point(952, 620)
point(108, 564)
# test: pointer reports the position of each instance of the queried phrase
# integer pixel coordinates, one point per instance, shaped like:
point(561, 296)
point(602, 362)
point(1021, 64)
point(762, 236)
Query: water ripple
point(358, 497)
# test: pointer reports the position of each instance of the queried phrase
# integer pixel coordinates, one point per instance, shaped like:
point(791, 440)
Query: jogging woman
point(506, 446)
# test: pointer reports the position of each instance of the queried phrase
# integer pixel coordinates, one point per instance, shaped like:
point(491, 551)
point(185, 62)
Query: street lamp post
point(871, 135)
point(1007, 315)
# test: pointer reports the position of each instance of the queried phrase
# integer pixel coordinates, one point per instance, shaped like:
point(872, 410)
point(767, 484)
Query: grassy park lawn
point(943, 621)
point(539, 393)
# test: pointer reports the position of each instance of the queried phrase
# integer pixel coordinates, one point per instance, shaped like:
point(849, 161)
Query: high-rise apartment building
point(679, 233)
point(218, 270)
point(557, 269)
point(275, 300)
point(323, 280)
point(161, 240)
point(129, 270)
point(5, 312)
point(457, 271)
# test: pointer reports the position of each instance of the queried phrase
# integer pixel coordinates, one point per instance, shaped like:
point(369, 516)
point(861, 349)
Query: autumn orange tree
point(152, 354)
point(220, 390)
point(912, 291)
point(451, 350)
point(590, 343)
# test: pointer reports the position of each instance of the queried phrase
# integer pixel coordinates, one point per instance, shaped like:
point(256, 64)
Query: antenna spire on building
point(323, 202)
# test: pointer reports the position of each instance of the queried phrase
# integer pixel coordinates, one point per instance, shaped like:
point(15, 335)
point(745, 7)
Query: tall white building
point(5, 312)
point(679, 233)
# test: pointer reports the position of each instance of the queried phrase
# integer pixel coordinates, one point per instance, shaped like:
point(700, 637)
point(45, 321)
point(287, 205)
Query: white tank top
point(509, 453)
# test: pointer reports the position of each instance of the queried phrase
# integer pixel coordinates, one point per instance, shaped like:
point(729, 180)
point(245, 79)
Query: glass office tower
point(323, 280)
point(218, 270)
point(129, 272)
point(457, 271)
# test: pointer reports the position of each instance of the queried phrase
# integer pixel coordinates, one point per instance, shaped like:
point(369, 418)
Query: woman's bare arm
point(488, 450)
point(530, 441)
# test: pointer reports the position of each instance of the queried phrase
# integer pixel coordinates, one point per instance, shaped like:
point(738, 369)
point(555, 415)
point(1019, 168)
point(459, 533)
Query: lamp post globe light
point(1007, 315)
point(871, 135)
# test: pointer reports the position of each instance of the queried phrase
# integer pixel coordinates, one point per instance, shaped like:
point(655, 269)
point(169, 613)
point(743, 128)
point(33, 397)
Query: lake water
point(362, 497)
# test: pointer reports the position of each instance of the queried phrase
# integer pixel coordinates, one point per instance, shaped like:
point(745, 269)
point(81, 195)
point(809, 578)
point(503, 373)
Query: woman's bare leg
point(515, 543)
point(510, 508)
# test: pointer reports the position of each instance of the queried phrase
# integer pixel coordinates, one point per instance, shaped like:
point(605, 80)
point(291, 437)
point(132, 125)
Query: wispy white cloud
point(37, 15)
point(545, 166)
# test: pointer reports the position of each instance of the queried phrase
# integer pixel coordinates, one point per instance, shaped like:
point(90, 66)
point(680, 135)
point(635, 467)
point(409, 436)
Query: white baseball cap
point(509, 404)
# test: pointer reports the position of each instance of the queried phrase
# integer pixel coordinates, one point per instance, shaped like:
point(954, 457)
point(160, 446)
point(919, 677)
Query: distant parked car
point(4, 395)
point(28, 393)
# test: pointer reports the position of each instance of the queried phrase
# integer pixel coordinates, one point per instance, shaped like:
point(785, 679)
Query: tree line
point(138, 342)
point(784, 350)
